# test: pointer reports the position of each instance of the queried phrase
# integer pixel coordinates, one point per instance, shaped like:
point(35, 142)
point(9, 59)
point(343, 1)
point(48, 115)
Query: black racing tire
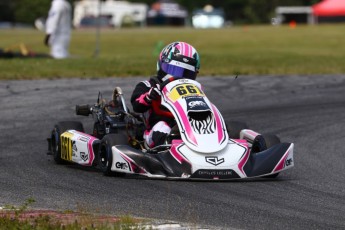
point(105, 156)
point(271, 140)
point(60, 128)
point(263, 142)
point(234, 128)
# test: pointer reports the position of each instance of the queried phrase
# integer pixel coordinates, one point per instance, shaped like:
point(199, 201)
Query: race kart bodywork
point(201, 145)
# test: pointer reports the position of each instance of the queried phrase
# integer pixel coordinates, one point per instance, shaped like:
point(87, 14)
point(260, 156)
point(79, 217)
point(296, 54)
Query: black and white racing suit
point(157, 126)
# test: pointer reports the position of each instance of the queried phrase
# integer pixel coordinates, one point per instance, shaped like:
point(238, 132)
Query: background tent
point(330, 10)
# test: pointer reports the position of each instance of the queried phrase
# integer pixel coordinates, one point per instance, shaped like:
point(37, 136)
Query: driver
point(176, 60)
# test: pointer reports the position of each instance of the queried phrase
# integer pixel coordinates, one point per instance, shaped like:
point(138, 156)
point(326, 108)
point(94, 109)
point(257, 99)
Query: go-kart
point(202, 145)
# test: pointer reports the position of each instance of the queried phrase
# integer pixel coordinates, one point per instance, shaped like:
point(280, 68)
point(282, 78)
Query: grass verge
point(242, 50)
point(23, 218)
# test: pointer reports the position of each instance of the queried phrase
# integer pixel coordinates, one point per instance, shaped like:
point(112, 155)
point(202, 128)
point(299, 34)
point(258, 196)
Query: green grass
point(235, 50)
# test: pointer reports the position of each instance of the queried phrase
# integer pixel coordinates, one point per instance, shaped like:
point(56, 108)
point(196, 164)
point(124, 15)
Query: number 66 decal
point(185, 90)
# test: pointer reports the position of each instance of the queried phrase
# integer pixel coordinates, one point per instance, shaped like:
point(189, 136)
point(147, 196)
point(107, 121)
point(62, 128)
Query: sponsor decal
point(288, 162)
point(84, 139)
point(196, 104)
point(84, 156)
point(74, 149)
point(185, 60)
point(122, 165)
point(184, 90)
point(215, 173)
point(214, 160)
point(185, 175)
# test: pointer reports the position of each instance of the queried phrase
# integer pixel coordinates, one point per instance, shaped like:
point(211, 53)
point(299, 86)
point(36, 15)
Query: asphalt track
point(306, 110)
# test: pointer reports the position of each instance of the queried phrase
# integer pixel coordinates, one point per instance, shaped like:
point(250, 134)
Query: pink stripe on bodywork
point(252, 133)
point(281, 163)
point(134, 167)
point(245, 157)
point(89, 147)
point(186, 123)
point(241, 141)
point(243, 161)
point(175, 153)
point(184, 119)
point(219, 124)
point(92, 154)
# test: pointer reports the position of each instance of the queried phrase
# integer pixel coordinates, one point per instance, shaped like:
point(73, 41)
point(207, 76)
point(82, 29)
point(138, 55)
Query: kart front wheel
point(105, 153)
point(59, 129)
point(234, 128)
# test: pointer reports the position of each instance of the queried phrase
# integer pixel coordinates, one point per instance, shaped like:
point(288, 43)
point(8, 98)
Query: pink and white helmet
point(180, 60)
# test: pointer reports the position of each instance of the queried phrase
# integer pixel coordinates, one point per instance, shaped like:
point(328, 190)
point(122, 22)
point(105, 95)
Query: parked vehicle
point(112, 13)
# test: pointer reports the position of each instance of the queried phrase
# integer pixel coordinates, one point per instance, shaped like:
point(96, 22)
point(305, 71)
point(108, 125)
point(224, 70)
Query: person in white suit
point(58, 28)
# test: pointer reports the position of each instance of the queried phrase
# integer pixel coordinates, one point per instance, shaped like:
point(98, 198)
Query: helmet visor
point(179, 69)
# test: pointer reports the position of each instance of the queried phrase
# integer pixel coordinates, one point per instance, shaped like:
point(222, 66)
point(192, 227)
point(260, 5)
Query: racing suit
point(157, 126)
point(58, 28)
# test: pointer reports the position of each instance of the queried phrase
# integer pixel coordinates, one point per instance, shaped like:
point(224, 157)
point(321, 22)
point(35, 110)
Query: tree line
point(237, 11)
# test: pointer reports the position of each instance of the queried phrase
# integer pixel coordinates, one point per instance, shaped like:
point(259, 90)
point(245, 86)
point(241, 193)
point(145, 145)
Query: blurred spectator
point(58, 28)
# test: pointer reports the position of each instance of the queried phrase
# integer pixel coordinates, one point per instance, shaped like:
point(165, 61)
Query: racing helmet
point(179, 59)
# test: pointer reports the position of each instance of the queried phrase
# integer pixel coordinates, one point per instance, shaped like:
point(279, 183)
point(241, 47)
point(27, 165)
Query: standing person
point(176, 60)
point(58, 28)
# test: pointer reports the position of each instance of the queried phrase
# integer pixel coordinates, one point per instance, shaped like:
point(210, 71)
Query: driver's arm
point(139, 101)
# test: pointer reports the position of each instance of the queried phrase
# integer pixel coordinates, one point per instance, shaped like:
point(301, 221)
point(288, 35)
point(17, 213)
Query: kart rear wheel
point(234, 128)
point(263, 142)
point(60, 128)
point(105, 153)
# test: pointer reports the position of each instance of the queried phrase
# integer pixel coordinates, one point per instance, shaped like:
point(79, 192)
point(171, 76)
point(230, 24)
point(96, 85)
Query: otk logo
point(214, 160)
point(288, 162)
point(121, 165)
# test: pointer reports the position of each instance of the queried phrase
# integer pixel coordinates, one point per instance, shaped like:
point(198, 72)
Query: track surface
point(306, 110)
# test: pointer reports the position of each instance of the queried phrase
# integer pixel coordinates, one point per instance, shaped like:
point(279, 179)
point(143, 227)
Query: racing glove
point(153, 94)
